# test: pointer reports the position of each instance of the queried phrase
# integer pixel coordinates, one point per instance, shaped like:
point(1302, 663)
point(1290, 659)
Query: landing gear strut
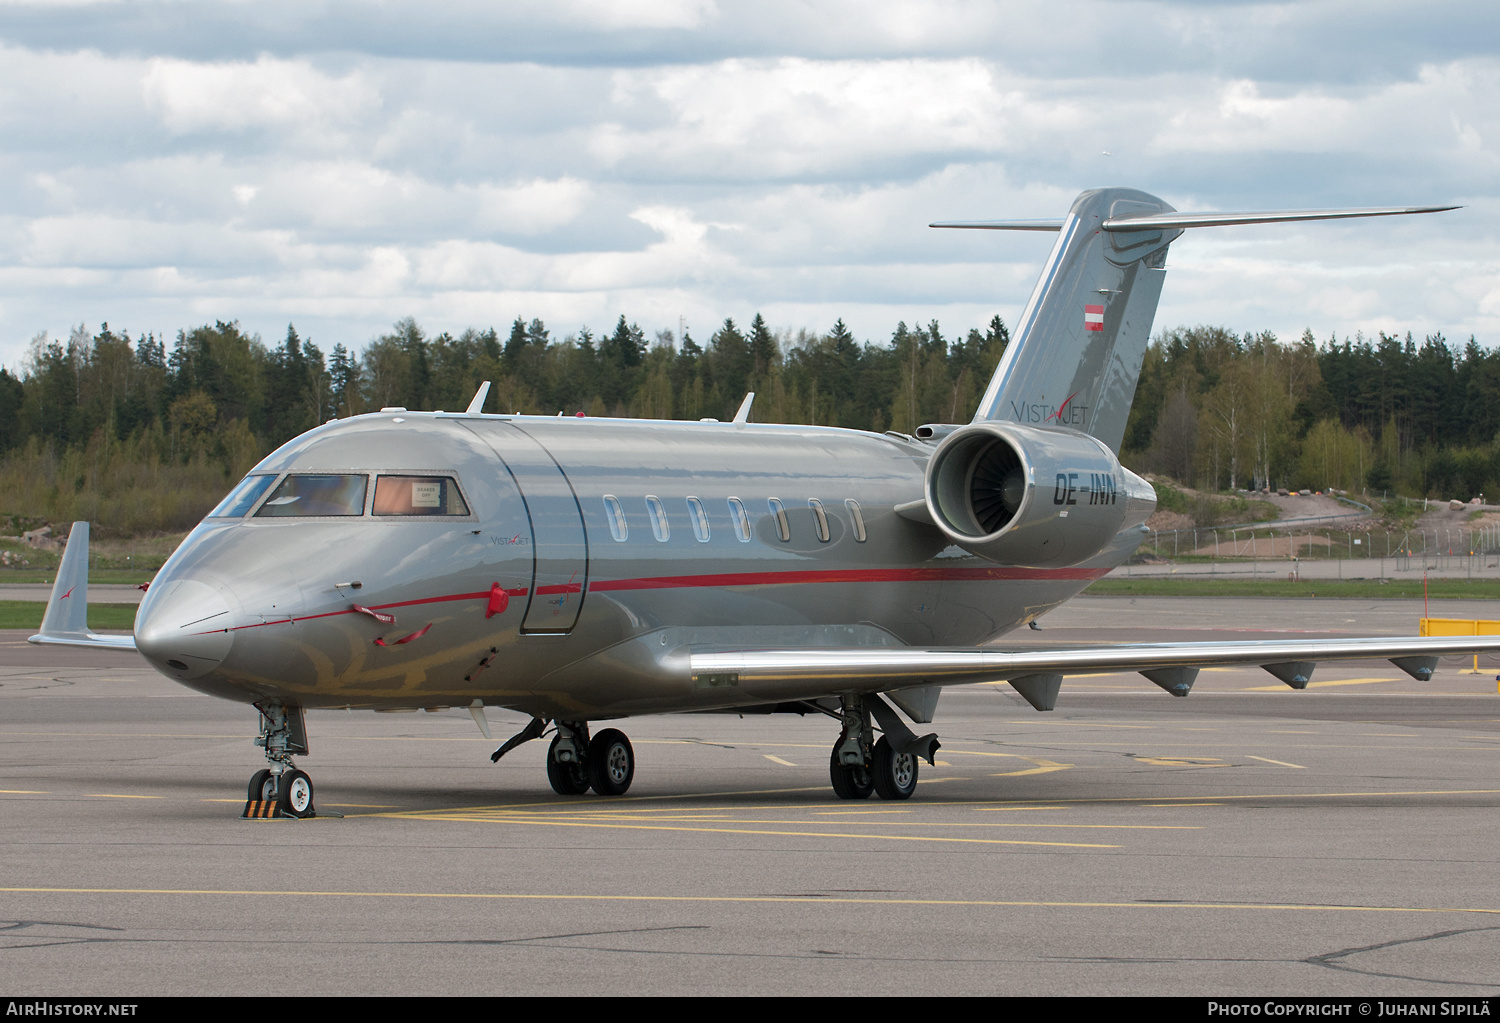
point(280, 790)
point(565, 759)
point(849, 765)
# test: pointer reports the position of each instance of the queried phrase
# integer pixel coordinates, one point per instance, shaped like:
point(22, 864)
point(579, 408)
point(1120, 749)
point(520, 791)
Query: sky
point(340, 165)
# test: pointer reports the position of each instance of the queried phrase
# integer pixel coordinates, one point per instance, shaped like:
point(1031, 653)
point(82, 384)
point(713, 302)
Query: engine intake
point(1027, 496)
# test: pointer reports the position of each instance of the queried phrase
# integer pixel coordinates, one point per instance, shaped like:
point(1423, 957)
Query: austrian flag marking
point(1093, 317)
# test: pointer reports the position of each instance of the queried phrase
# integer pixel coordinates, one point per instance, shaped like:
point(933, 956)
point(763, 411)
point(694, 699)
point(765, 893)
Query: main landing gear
point(577, 763)
point(887, 766)
point(280, 790)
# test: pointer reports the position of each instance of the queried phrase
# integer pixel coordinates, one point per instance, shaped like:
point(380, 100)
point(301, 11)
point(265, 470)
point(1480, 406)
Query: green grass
point(1403, 589)
point(27, 614)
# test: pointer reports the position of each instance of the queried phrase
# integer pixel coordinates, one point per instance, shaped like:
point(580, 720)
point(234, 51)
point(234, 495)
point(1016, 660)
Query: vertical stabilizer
point(1077, 349)
point(1076, 352)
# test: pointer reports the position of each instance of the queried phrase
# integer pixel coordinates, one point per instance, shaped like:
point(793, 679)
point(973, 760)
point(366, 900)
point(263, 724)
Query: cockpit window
point(242, 498)
point(316, 495)
point(418, 495)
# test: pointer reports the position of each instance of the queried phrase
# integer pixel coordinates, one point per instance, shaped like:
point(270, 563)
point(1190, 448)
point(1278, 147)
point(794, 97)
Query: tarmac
point(1248, 840)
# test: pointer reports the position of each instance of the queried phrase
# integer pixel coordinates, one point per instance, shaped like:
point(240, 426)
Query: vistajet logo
point(1069, 413)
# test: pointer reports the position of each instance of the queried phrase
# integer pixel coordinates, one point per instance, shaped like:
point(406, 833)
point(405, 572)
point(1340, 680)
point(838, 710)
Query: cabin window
point(858, 518)
point(740, 519)
point(310, 494)
point(243, 497)
point(783, 530)
point(699, 518)
point(820, 519)
point(657, 513)
point(418, 495)
point(615, 513)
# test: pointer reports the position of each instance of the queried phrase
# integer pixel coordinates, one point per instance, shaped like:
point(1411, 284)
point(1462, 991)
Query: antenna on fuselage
point(476, 406)
point(743, 415)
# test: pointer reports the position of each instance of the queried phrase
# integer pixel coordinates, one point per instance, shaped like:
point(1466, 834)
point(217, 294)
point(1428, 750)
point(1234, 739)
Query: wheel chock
point(259, 809)
point(265, 810)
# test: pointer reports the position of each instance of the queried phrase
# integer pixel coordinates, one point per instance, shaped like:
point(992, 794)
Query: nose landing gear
point(280, 790)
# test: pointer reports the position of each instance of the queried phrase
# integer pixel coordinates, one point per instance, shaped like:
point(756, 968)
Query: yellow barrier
point(1462, 627)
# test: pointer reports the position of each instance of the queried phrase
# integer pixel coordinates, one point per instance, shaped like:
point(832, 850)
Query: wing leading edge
point(1173, 666)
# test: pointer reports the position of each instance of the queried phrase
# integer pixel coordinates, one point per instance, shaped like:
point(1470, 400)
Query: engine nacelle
point(1030, 497)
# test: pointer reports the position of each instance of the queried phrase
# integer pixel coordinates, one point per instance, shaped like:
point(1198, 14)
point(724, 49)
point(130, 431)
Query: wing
point(1037, 674)
point(66, 621)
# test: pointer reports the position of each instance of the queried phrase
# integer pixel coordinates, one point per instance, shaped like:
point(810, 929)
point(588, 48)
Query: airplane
point(585, 570)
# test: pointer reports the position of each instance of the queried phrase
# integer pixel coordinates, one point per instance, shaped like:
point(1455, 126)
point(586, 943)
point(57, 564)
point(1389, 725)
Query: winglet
point(66, 621)
point(68, 609)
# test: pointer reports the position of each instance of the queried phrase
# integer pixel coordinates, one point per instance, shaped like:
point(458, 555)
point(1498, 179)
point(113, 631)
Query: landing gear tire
point(611, 763)
point(567, 779)
point(260, 786)
point(895, 773)
point(295, 795)
point(849, 782)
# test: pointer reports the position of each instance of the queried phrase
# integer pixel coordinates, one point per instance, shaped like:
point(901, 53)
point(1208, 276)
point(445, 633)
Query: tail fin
point(66, 621)
point(1076, 353)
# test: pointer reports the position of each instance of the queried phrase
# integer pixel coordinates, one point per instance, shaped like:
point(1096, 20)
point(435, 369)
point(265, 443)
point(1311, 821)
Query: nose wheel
point(288, 794)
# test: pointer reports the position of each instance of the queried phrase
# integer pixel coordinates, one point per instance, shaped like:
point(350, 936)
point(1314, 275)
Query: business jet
point(587, 570)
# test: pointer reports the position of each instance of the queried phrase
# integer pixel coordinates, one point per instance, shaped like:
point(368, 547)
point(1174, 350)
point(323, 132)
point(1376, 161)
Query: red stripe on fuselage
point(853, 575)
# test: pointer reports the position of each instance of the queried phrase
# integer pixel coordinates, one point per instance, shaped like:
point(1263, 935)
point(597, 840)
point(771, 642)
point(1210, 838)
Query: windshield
point(316, 495)
point(243, 497)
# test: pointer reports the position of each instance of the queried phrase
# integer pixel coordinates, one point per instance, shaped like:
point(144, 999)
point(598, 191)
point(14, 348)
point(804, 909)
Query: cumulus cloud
point(272, 94)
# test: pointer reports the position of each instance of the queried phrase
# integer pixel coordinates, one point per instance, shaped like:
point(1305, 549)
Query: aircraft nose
point(185, 629)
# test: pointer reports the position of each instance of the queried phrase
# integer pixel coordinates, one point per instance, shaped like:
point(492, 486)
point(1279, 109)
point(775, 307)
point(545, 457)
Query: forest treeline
point(137, 438)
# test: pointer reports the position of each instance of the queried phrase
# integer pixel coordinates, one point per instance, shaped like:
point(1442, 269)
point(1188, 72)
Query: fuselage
point(562, 566)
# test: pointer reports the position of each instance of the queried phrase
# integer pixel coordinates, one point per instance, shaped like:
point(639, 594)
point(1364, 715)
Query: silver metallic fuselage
point(531, 602)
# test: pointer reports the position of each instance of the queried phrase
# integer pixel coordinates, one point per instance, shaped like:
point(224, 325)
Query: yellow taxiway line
point(527, 819)
point(751, 899)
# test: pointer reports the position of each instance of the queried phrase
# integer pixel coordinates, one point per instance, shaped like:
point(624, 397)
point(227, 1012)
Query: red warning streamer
point(379, 616)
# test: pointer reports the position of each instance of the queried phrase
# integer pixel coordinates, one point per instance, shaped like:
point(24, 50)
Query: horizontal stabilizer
point(1002, 225)
point(1164, 221)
